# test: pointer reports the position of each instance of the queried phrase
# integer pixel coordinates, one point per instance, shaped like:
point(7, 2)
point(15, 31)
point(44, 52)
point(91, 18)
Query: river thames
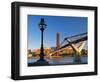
point(61, 60)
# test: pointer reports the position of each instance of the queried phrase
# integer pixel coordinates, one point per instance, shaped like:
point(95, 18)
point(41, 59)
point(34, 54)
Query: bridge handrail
point(76, 35)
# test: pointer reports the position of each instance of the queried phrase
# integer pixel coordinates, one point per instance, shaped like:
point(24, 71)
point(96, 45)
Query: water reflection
point(61, 60)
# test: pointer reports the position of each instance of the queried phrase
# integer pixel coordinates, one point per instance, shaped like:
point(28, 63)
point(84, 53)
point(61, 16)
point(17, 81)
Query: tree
point(84, 52)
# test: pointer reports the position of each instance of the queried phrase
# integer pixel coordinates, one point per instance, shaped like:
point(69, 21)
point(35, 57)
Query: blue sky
point(66, 26)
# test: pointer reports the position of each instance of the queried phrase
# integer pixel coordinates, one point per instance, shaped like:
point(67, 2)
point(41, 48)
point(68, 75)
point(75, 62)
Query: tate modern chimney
point(58, 40)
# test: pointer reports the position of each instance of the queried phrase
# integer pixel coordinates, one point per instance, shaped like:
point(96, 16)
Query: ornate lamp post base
point(42, 62)
point(39, 63)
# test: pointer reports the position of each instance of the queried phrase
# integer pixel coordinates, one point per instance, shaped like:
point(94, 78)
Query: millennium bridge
point(71, 42)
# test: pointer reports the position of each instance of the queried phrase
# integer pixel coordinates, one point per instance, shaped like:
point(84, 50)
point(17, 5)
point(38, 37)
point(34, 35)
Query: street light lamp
point(42, 26)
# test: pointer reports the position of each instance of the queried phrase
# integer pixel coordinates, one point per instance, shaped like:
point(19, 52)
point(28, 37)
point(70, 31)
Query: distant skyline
point(65, 25)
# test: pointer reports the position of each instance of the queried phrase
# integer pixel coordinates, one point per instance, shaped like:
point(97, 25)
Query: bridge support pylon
point(77, 58)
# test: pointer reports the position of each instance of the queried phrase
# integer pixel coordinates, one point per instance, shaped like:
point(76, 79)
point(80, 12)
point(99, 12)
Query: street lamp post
point(42, 26)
